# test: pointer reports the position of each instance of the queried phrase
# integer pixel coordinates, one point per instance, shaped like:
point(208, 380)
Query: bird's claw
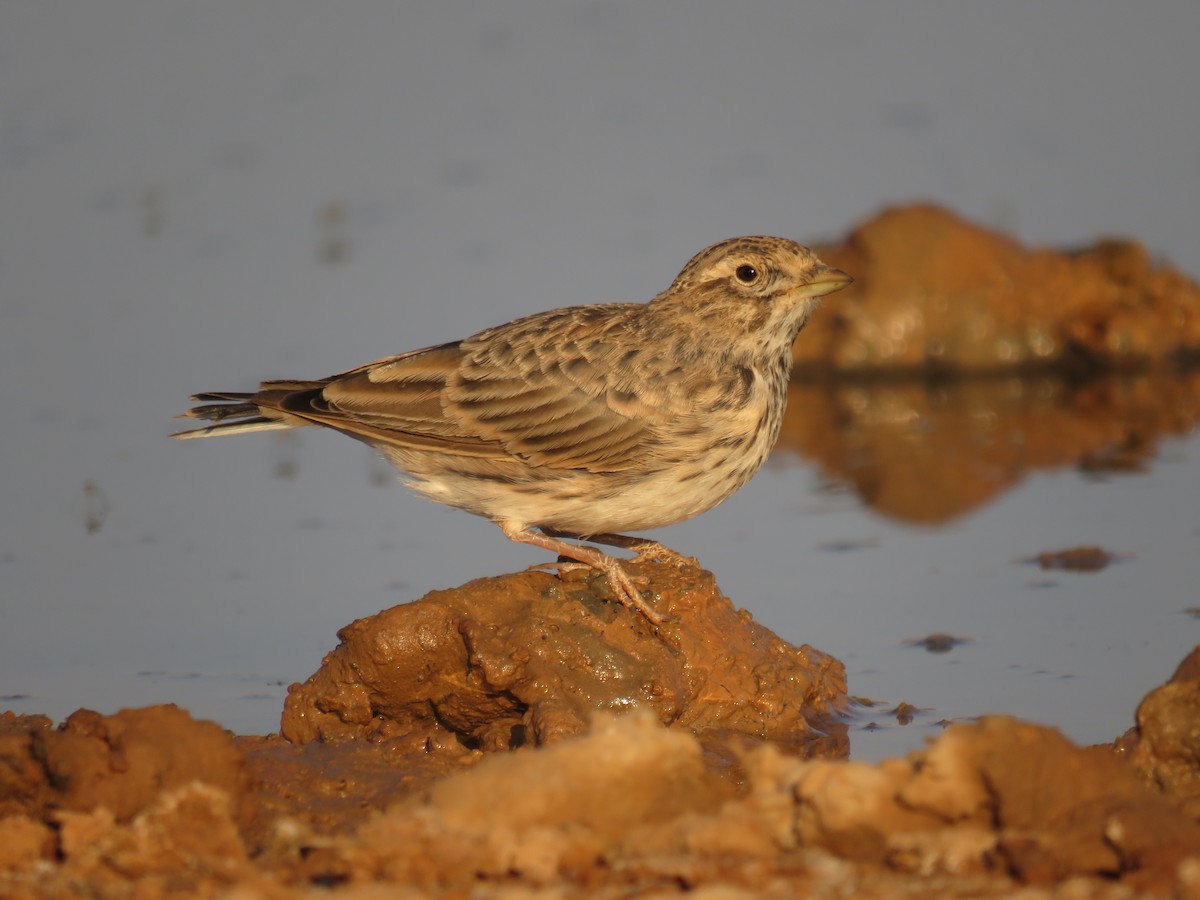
point(653, 551)
point(624, 587)
point(622, 584)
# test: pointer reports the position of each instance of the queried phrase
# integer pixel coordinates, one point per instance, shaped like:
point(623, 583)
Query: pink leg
point(622, 585)
point(646, 550)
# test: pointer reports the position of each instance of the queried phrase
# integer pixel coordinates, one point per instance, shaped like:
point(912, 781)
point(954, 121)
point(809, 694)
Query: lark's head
point(754, 285)
point(759, 268)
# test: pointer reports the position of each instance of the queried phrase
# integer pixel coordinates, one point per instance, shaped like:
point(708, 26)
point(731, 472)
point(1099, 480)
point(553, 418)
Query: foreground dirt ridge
point(394, 775)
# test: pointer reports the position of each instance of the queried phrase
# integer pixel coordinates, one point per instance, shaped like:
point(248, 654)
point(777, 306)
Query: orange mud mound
point(934, 293)
point(695, 758)
point(529, 658)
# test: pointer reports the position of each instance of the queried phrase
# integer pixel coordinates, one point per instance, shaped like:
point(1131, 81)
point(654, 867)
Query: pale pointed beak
point(825, 280)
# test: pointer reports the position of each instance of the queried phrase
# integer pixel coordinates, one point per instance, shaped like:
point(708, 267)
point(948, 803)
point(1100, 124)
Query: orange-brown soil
point(527, 735)
point(936, 294)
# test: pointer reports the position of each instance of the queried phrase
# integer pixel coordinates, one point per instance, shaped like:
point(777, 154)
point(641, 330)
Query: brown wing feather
point(395, 401)
point(546, 389)
point(401, 394)
point(552, 391)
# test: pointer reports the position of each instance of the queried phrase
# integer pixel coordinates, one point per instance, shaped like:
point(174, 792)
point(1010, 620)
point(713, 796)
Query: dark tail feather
point(217, 407)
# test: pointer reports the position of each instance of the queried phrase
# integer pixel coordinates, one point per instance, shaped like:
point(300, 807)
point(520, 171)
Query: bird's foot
point(623, 585)
point(653, 551)
point(559, 566)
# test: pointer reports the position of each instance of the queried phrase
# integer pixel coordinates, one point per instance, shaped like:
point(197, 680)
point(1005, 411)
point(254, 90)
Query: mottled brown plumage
point(583, 422)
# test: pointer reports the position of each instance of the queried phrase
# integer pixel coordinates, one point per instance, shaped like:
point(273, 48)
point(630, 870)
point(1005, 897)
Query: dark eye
point(746, 274)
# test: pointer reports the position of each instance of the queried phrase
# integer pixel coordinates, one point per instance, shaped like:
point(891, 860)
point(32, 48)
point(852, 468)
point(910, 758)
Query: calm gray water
point(198, 196)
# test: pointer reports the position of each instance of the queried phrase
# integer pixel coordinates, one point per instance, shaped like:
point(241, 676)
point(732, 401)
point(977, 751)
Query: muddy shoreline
point(524, 734)
point(615, 758)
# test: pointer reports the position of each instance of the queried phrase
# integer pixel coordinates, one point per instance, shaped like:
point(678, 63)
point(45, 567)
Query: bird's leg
point(620, 581)
point(645, 550)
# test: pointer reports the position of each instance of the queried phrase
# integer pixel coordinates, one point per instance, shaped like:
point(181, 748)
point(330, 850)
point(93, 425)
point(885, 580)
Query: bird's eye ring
point(746, 273)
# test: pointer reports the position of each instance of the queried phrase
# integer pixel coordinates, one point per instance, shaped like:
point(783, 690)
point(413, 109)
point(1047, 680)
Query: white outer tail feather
point(231, 428)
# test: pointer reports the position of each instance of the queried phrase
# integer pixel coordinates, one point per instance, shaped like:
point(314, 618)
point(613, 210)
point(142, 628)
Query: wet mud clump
point(530, 659)
point(1164, 748)
point(1075, 559)
point(934, 293)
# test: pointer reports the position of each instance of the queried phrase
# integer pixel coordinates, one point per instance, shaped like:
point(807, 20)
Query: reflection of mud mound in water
point(930, 451)
point(935, 293)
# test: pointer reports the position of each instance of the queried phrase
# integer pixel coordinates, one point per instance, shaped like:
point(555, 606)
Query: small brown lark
point(584, 422)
